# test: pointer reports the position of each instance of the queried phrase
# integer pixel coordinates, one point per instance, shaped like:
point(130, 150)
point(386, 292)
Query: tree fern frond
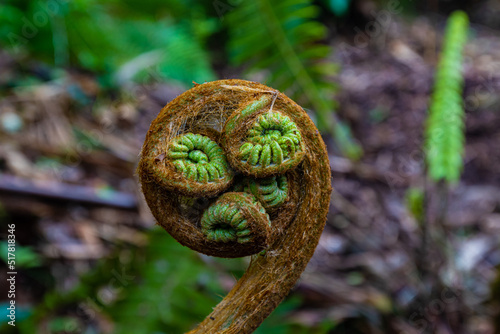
point(281, 37)
point(445, 123)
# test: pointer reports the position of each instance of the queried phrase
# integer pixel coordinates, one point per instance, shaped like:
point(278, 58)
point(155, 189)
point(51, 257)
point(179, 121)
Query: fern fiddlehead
point(233, 218)
point(271, 192)
point(198, 157)
point(270, 208)
point(271, 139)
point(261, 142)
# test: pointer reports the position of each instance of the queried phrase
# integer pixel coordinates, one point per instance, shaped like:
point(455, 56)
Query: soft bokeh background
point(80, 82)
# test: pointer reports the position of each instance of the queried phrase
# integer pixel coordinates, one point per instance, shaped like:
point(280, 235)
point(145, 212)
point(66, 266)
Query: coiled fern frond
point(283, 38)
point(231, 218)
point(271, 192)
point(445, 123)
point(199, 158)
point(273, 209)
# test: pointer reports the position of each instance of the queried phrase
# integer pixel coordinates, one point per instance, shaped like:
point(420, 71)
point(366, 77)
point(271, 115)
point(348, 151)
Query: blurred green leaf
point(445, 131)
point(25, 256)
point(415, 203)
point(105, 36)
point(64, 325)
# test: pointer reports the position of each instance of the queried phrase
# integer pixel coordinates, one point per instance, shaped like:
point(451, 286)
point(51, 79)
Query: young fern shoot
point(258, 162)
point(445, 123)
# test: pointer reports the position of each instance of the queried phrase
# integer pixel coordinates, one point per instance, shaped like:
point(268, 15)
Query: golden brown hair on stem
point(232, 168)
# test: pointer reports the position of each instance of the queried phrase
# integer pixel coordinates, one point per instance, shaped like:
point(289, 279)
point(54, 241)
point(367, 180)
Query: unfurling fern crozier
point(256, 161)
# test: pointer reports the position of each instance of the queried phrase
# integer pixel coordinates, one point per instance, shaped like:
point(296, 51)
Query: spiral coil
point(262, 142)
point(225, 221)
point(231, 168)
point(272, 192)
point(272, 139)
point(198, 158)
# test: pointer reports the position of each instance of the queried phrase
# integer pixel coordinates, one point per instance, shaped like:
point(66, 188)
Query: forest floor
point(68, 157)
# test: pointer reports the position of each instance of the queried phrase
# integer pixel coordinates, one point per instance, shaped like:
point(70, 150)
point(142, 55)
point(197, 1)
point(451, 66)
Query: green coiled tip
point(272, 139)
point(271, 192)
point(198, 158)
point(233, 218)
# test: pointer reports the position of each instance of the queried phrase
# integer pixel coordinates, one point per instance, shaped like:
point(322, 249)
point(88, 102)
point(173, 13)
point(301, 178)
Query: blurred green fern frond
point(445, 123)
point(178, 57)
point(108, 37)
point(132, 46)
point(283, 38)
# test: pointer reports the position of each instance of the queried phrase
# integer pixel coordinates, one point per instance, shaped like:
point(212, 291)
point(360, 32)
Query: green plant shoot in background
point(445, 131)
